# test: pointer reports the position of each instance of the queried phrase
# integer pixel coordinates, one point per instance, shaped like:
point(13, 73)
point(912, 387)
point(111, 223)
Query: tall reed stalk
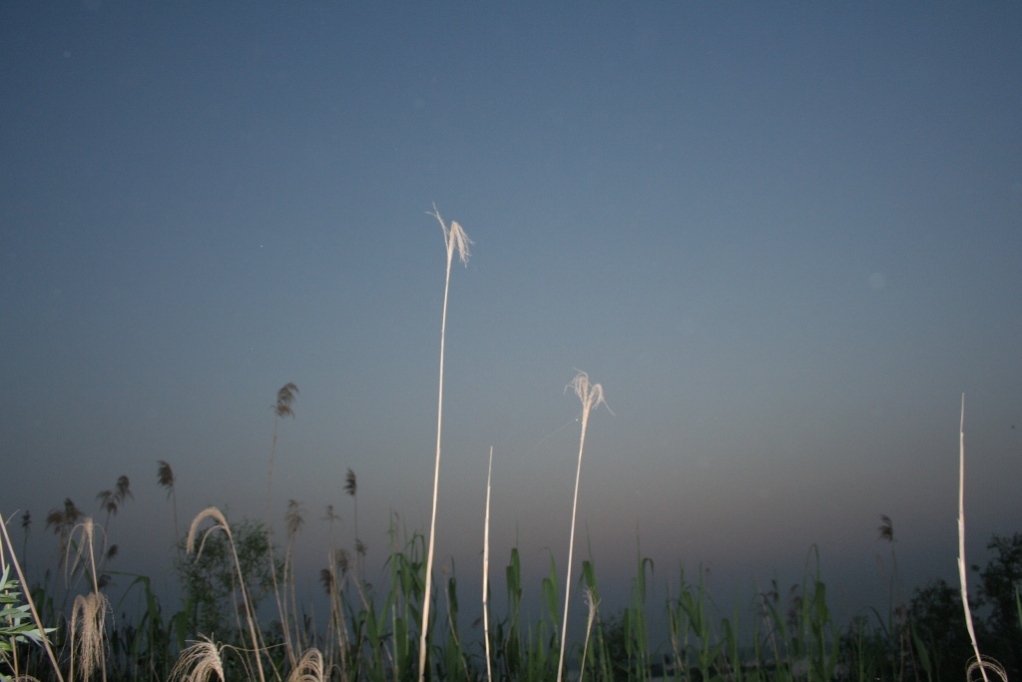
point(591, 396)
point(486, 572)
point(221, 524)
point(455, 239)
point(979, 662)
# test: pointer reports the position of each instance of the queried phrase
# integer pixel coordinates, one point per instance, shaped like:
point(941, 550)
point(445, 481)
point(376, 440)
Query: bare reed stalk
point(455, 239)
point(221, 524)
point(591, 396)
point(594, 605)
point(285, 397)
point(486, 571)
point(294, 519)
point(980, 662)
point(27, 593)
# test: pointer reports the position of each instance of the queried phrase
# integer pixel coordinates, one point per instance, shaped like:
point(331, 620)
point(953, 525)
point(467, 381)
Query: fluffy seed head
point(455, 238)
point(198, 663)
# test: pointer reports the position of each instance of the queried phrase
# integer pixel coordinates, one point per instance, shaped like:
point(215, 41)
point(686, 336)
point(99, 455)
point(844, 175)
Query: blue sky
point(785, 239)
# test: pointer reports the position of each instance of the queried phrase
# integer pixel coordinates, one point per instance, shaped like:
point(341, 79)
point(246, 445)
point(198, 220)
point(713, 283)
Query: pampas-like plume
point(88, 616)
point(309, 668)
point(221, 524)
point(591, 396)
point(456, 240)
point(199, 662)
point(285, 397)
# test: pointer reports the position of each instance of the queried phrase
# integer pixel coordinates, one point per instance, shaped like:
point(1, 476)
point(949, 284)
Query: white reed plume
point(199, 662)
point(88, 617)
point(310, 667)
point(591, 396)
point(455, 240)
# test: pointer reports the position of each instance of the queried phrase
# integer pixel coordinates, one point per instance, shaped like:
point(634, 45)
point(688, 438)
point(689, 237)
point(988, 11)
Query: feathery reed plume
point(886, 528)
point(294, 519)
point(88, 616)
point(983, 665)
point(62, 521)
point(87, 530)
point(110, 501)
point(351, 488)
point(282, 409)
point(221, 524)
point(591, 396)
point(486, 571)
point(26, 524)
point(165, 478)
point(199, 662)
point(43, 631)
point(309, 668)
point(455, 240)
point(123, 488)
point(285, 397)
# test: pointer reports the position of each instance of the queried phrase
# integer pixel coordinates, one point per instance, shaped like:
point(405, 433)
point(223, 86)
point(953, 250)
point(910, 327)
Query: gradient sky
point(785, 238)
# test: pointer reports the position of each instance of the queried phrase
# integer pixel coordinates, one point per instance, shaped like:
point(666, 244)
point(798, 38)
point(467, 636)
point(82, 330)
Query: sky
point(785, 238)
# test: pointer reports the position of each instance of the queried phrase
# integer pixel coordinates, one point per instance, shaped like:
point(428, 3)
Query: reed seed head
point(351, 483)
point(590, 394)
point(455, 238)
point(199, 662)
point(294, 517)
point(309, 668)
point(88, 614)
point(285, 396)
point(207, 513)
point(886, 528)
point(123, 489)
point(165, 476)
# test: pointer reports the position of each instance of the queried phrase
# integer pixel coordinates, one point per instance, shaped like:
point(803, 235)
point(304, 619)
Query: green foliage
point(999, 581)
point(16, 623)
point(210, 584)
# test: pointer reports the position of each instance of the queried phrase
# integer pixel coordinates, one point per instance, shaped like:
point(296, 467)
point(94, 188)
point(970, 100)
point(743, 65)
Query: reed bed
point(400, 629)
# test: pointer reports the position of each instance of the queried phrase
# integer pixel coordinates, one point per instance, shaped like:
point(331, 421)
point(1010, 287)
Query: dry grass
point(486, 572)
point(88, 619)
point(455, 239)
point(222, 525)
point(591, 396)
point(309, 668)
point(199, 662)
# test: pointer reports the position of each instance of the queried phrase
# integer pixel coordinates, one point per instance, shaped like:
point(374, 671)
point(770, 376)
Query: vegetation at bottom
point(240, 619)
point(232, 573)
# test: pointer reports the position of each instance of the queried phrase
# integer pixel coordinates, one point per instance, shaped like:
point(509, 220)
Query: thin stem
point(591, 396)
point(961, 543)
point(486, 570)
point(455, 239)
